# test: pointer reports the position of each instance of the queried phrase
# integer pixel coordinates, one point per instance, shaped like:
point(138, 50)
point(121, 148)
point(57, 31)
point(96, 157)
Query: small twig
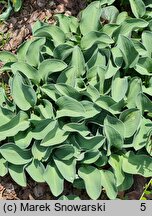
point(146, 187)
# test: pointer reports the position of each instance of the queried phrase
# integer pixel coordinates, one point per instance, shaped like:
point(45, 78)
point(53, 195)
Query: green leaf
point(68, 76)
point(87, 24)
point(18, 123)
point(102, 160)
point(128, 50)
point(69, 107)
point(92, 180)
point(5, 115)
point(116, 163)
point(135, 86)
point(79, 183)
point(33, 52)
point(138, 8)
point(131, 119)
point(67, 90)
point(117, 124)
point(96, 75)
point(90, 109)
point(110, 13)
point(62, 51)
point(110, 29)
point(122, 16)
point(3, 166)
point(141, 136)
point(23, 93)
point(51, 32)
point(45, 109)
point(36, 169)
point(23, 139)
point(147, 90)
point(127, 183)
point(90, 156)
point(143, 103)
point(78, 61)
point(6, 13)
point(106, 102)
point(92, 93)
point(117, 59)
point(97, 59)
point(114, 138)
point(109, 183)
point(149, 145)
point(29, 71)
point(55, 136)
point(66, 168)
point(137, 164)
point(50, 91)
point(139, 47)
point(14, 154)
point(18, 175)
point(22, 50)
point(63, 22)
point(90, 143)
point(50, 66)
point(17, 5)
point(147, 42)
point(80, 128)
point(144, 66)
point(67, 23)
point(95, 37)
point(131, 24)
point(117, 84)
point(6, 56)
point(64, 152)
point(54, 179)
point(5, 102)
point(40, 152)
point(41, 128)
point(111, 68)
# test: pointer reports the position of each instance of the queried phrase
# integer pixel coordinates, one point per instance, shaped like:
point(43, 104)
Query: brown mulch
point(18, 27)
point(13, 32)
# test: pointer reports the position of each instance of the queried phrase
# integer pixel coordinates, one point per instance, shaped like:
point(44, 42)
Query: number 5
point(143, 206)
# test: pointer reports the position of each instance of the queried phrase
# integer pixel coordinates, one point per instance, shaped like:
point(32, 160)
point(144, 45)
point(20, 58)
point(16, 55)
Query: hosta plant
point(79, 107)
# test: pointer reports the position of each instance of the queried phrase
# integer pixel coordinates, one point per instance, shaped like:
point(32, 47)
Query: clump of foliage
point(10, 5)
point(79, 107)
